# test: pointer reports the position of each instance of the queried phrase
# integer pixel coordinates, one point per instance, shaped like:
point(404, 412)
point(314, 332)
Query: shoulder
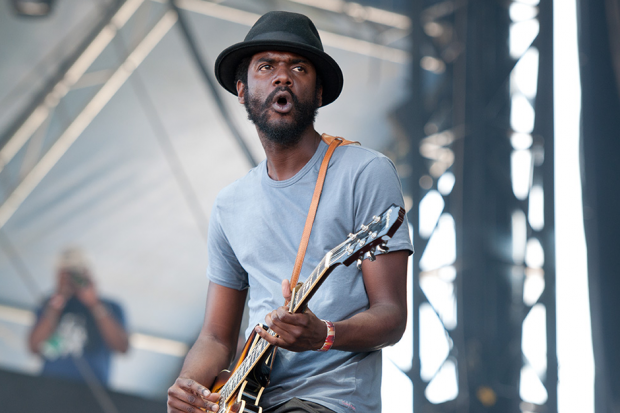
point(230, 194)
point(109, 302)
point(359, 152)
point(232, 200)
point(115, 308)
point(360, 159)
point(112, 305)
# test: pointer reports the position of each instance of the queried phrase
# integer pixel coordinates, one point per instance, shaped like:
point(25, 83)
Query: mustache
point(269, 100)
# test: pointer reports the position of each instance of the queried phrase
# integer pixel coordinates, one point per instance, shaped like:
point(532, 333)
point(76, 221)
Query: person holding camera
point(77, 330)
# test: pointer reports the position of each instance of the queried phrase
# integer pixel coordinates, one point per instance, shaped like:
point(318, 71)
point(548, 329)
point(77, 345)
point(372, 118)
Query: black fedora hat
point(284, 32)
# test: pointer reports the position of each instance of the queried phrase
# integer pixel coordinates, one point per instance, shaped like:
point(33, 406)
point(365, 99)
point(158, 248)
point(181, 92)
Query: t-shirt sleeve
point(378, 187)
point(223, 267)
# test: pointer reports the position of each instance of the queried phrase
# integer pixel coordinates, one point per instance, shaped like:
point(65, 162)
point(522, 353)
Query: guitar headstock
point(357, 247)
point(371, 237)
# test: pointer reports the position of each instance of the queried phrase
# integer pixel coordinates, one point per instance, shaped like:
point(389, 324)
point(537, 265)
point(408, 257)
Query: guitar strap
point(333, 142)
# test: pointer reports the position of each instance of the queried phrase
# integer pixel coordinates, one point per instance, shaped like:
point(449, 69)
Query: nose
point(282, 77)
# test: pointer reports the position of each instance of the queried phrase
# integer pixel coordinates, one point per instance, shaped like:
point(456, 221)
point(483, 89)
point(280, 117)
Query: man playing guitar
point(281, 74)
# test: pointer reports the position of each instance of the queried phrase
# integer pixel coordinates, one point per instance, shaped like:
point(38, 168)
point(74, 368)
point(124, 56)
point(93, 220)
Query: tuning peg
point(383, 248)
point(371, 255)
point(359, 264)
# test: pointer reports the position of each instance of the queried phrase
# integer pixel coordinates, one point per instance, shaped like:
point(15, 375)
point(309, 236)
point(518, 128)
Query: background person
point(75, 324)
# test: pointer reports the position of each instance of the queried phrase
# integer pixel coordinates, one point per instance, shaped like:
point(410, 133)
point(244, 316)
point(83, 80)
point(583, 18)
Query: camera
point(78, 277)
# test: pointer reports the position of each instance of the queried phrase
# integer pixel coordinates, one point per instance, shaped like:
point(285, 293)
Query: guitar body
point(249, 393)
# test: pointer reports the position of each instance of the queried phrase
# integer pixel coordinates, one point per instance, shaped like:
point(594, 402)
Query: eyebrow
point(272, 60)
point(295, 61)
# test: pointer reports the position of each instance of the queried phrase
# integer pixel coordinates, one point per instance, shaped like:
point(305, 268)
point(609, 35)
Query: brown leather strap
point(328, 139)
point(333, 142)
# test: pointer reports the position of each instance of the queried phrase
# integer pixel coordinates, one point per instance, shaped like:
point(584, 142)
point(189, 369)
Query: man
point(282, 76)
point(76, 330)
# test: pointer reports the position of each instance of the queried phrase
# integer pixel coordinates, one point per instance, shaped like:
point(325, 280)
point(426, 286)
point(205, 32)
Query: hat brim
point(326, 67)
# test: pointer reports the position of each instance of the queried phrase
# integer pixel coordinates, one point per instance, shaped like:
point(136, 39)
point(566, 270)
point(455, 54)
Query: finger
point(266, 336)
point(282, 314)
point(283, 341)
point(176, 405)
point(287, 320)
point(197, 389)
point(270, 318)
point(285, 333)
point(286, 290)
point(280, 320)
point(180, 400)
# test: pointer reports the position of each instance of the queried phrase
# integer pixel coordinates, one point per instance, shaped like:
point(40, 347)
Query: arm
point(48, 321)
point(111, 330)
point(381, 325)
point(212, 352)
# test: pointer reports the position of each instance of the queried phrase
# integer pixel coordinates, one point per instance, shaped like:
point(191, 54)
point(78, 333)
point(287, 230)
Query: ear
point(320, 92)
point(241, 92)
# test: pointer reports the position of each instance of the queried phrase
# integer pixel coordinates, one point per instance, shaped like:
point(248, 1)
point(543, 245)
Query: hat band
point(286, 37)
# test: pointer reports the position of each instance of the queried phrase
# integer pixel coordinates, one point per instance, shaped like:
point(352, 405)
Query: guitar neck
point(304, 293)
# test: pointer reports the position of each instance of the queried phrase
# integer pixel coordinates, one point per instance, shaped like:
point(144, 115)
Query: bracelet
point(331, 336)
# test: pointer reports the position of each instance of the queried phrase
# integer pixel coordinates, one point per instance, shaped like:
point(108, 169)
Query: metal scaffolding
point(481, 186)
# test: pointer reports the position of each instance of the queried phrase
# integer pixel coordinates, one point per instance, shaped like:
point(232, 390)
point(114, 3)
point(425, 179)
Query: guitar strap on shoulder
point(333, 142)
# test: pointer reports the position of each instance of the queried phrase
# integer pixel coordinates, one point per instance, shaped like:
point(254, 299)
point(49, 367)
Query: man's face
point(281, 95)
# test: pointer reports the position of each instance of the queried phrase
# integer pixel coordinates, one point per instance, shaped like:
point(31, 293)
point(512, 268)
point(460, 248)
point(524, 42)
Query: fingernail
point(257, 329)
point(206, 392)
point(214, 407)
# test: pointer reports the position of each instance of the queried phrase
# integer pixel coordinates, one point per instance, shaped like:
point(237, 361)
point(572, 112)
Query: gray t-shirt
point(255, 228)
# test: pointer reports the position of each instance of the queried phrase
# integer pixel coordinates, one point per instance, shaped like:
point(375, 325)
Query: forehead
point(277, 56)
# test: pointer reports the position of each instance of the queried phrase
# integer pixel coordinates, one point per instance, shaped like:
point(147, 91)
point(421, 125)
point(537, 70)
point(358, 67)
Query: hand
point(86, 292)
point(186, 395)
point(65, 286)
point(296, 332)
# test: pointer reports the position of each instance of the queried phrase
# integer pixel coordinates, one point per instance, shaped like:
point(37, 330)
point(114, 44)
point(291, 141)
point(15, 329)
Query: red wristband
point(331, 336)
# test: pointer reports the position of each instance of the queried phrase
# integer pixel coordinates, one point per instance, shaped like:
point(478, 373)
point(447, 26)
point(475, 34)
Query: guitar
point(245, 384)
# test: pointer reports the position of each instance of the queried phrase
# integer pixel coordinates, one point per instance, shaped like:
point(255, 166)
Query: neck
point(284, 162)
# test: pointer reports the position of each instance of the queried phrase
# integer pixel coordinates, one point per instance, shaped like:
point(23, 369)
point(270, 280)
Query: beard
point(285, 134)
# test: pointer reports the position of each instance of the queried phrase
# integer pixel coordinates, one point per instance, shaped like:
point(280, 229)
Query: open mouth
point(283, 102)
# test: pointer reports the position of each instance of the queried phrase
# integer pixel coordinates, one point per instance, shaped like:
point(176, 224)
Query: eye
point(299, 69)
point(264, 67)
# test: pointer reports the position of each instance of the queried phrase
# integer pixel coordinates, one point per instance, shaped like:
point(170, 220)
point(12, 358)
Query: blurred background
point(503, 119)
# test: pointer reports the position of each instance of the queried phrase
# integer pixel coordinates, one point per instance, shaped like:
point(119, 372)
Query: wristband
point(331, 336)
